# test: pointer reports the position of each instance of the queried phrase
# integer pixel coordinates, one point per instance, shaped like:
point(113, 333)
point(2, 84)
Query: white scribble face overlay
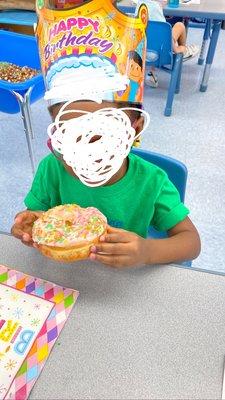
point(94, 144)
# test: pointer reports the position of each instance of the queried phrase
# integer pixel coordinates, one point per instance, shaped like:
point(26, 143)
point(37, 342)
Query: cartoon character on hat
point(134, 71)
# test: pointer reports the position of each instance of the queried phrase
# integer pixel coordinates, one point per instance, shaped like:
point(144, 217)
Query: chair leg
point(177, 90)
point(173, 84)
point(24, 103)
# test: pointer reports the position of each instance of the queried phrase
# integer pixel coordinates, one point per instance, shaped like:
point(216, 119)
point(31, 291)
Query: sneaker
point(191, 51)
point(152, 80)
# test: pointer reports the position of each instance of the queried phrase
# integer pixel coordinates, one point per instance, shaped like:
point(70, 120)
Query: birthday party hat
point(92, 51)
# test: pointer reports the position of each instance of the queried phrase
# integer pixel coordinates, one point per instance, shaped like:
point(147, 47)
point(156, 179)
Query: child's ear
point(138, 124)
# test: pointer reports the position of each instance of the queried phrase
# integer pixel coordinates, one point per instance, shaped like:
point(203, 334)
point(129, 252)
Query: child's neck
point(119, 174)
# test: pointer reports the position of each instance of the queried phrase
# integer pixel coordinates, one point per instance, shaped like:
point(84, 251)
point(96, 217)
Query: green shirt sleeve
point(39, 197)
point(169, 210)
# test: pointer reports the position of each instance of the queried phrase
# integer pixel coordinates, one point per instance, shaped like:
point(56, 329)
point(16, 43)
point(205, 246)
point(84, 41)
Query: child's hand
point(23, 223)
point(120, 248)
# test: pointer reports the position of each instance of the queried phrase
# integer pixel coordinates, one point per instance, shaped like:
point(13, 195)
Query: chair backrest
point(176, 170)
point(177, 173)
point(159, 43)
point(19, 49)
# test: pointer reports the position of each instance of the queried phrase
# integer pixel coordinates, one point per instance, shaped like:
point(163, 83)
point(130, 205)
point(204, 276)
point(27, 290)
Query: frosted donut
point(66, 233)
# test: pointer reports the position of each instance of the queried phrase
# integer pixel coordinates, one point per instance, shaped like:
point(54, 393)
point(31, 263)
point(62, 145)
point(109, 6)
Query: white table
point(150, 333)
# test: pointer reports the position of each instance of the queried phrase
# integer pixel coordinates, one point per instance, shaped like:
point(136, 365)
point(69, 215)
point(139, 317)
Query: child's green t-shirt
point(144, 196)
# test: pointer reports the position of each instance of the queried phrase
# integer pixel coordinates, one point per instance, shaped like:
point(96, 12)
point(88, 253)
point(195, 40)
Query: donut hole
point(68, 223)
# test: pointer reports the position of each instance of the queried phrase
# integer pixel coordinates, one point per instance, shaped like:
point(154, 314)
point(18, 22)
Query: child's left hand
point(119, 248)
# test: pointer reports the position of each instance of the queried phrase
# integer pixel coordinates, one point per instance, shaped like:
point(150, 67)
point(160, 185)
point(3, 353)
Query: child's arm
point(23, 223)
point(124, 249)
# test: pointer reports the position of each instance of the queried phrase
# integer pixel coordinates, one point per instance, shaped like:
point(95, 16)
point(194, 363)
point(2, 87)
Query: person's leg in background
point(179, 38)
point(179, 42)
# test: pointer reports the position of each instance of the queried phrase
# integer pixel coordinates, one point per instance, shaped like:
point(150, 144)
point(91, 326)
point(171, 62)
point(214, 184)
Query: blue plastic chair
point(177, 173)
point(160, 55)
point(14, 97)
point(176, 170)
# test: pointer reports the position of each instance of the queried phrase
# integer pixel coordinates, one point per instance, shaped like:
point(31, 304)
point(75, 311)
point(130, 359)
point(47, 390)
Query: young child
point(90, 164)
point(139, 194)
point(179, 37)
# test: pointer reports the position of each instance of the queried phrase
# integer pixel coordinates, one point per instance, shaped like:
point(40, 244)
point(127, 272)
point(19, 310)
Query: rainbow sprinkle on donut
point(68, 225)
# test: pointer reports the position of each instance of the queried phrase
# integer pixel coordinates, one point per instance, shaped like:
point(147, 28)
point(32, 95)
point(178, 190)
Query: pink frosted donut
point(66, 233)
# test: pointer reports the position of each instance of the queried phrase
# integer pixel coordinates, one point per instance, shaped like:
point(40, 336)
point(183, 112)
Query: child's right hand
point(23, 223)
